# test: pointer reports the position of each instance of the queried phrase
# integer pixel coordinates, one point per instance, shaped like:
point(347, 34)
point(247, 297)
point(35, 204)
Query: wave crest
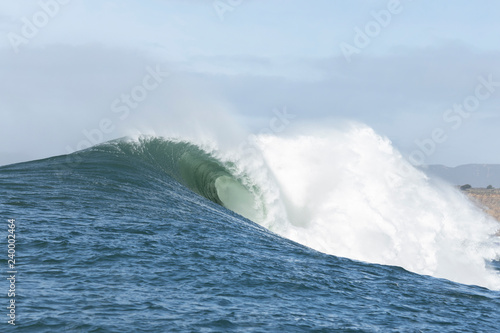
point(343, 192)
point(197, 169)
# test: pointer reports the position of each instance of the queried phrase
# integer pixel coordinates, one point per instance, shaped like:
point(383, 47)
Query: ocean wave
point(345, 192)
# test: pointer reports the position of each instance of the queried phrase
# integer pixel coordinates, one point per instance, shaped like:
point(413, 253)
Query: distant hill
point(477, 175)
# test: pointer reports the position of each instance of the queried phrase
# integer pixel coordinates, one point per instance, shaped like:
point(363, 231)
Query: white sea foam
point(350, 193)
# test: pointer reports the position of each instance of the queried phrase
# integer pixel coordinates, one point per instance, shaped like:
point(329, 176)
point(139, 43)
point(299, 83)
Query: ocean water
point(319, 232)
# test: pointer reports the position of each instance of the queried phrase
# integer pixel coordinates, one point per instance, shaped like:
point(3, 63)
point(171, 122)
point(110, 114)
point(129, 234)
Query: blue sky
point(258, 55)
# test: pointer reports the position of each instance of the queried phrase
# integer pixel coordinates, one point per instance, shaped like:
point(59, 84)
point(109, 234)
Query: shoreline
point(486, 199)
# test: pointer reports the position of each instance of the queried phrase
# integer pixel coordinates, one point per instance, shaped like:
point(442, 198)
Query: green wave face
point(237, 197)
point(196, 169)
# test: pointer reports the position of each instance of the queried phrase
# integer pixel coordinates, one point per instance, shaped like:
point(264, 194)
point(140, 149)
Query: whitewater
point(343, 191)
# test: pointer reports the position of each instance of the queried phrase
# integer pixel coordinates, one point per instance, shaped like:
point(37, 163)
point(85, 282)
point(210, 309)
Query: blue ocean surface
point(134, 237)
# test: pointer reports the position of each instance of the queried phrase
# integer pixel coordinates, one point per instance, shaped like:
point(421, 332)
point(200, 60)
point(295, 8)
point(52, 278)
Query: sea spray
point(341, 196)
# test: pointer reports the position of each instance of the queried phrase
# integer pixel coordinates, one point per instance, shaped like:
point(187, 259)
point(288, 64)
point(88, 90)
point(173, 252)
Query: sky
point(425, 74)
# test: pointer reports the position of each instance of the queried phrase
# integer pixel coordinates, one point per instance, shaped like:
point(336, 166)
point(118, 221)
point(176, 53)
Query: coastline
point(486, 199)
